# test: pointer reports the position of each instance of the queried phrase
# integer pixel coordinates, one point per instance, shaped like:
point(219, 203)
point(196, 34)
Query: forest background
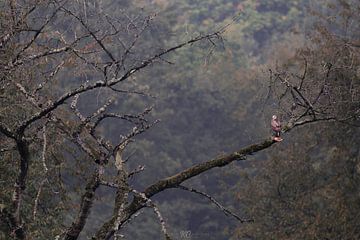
point(206, 99)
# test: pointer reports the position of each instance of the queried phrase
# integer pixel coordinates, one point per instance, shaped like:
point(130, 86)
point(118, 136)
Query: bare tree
point(47, 41)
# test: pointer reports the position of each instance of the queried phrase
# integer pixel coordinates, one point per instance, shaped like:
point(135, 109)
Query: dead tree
point(100, 51)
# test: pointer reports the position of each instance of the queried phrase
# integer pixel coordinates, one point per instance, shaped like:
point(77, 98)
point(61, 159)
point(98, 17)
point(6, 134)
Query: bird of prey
point(276, 127)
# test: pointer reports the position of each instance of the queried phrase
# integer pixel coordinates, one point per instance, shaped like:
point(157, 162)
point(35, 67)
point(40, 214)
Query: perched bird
point(276, 127)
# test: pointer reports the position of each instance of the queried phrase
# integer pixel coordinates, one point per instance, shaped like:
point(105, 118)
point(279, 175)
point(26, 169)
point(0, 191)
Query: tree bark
point(86, 204)
point(177, 179)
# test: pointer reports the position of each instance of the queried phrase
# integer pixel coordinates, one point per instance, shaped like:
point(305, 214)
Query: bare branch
point(6, 131)
point(75, 109)
point(7, 37)
point(2, 150)
point(113, 225)
point(120, 211)
point(132, 92)
point(36, 202)
point(329, 66)
point(109, 184)
point(86, 203)
point(37, 56)
point(101, 44)
point(51, 75)
point(177, 179)
point(101, 109)
point(14, 216)
point(37, 33)
point(302, 78)
point(225, 210)
point(114, 81)
point(149, 203)
point(43, 157)
point(19, 187)
point(139, 168)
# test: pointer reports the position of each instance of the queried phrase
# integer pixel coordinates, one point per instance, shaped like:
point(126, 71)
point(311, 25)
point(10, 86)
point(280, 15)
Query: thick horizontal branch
point(177, 179)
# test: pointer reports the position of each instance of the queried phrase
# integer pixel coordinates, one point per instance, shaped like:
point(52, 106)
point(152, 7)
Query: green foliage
point(210, 101)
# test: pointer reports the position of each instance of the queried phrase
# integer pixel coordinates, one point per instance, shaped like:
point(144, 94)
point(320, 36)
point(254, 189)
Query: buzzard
point(276, 127)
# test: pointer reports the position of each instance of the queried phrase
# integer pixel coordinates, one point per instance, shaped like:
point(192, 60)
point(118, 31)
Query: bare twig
point(44, 150)
point(36, 202)
point(6, 131)
point(132, 92)
point(92, 33)
point(43, 157)
point(149, 203)
point(140, 168)
point(100, 84)
point(37, 33)
point(75, 109)
point(222, 208)
point(51, 75)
